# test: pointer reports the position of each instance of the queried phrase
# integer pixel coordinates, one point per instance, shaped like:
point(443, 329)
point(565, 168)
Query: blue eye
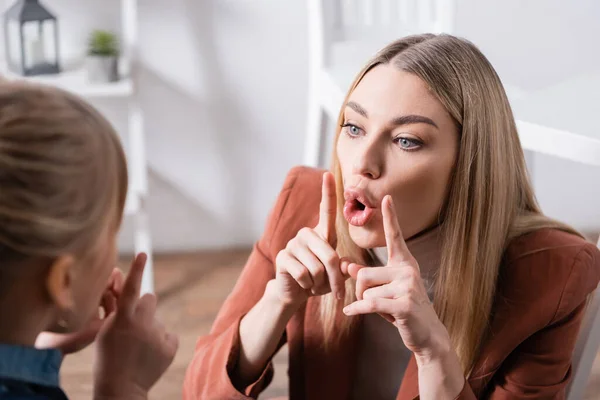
point(408, 144)
point(352, 130)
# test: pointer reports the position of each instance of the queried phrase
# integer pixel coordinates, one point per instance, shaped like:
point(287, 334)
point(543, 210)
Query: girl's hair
point(490, 199)
point(63, 175)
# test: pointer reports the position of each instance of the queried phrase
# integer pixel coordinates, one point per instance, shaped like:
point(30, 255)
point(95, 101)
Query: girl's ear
point(59, 282)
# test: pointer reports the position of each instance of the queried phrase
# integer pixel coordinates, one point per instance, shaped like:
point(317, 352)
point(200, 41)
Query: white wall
point(224, 84)
point(225, 101)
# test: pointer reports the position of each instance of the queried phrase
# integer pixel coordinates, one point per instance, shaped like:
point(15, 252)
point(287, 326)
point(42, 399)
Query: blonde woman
point(424, 268)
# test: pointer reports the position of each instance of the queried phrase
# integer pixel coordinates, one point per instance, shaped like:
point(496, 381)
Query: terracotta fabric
point(542, 289)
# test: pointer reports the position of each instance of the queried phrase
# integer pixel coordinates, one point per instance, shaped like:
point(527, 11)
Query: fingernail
point(390, 201)
point(346, 310)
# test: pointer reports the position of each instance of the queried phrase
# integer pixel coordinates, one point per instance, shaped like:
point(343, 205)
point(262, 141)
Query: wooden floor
point(191, 288)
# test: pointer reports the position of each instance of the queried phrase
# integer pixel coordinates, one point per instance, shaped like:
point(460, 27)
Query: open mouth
point(360, 206)
point(356, 212)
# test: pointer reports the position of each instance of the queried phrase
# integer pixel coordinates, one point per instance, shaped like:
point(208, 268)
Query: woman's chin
point(366, 238)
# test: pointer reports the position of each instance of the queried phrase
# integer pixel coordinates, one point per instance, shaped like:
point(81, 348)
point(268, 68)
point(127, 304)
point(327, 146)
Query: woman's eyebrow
point(398, 121)
point(358, 108)
point(413, 119)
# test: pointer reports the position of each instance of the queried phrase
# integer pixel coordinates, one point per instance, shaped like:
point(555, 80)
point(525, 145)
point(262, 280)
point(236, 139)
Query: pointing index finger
point(396, 246)
point(328, 210)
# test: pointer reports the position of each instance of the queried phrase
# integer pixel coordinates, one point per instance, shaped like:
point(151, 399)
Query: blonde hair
point(63, 174)
point(490, 200)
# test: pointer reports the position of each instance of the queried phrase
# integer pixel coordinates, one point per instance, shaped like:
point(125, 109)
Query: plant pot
point(102, 69)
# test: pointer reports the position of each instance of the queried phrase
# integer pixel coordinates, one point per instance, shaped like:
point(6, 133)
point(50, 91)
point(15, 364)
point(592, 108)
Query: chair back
point(381, 21)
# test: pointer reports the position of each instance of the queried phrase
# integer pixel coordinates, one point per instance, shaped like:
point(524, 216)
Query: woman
point(430, 200)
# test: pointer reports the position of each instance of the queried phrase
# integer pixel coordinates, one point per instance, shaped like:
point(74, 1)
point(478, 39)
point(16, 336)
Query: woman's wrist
point(440, 373)
point(261, 330)
point(275, 303)
point(439, 350)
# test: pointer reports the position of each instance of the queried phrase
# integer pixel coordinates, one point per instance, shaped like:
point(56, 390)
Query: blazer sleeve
point(209, 374)
point(540, 367)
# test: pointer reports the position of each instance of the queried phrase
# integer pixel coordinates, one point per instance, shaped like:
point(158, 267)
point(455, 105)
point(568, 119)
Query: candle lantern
point(31, 39)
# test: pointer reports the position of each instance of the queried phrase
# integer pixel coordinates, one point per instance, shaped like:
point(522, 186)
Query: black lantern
point(31, 39)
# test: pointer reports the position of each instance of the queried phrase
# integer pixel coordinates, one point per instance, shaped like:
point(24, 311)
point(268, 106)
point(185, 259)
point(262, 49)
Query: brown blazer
point(538, 310)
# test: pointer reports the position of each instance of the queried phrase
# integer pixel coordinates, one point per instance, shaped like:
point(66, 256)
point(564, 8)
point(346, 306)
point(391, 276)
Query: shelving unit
point(125, 89)
point(75, 81)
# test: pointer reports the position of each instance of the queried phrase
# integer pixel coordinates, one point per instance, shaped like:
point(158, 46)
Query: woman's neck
point(425, 247)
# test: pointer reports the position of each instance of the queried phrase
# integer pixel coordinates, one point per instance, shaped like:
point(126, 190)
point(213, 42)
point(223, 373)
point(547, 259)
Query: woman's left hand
point(69, 343)
point(396, 292)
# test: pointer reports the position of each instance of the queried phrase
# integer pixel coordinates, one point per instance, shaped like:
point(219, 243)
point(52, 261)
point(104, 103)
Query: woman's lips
point(356, 213)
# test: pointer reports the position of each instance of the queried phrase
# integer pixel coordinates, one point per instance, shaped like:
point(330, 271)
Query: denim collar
point(31, 365)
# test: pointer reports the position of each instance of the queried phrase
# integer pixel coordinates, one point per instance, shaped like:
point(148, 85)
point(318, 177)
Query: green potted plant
point(102, 57)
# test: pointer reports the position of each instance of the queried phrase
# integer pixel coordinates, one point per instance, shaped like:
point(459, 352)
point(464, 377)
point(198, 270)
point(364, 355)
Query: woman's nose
point(368, 161)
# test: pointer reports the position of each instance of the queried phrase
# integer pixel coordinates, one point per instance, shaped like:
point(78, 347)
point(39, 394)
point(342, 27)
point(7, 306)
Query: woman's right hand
point(310, 265)
point(134, 349)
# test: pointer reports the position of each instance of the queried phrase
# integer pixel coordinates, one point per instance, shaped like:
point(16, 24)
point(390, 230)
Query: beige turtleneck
point(382, 356)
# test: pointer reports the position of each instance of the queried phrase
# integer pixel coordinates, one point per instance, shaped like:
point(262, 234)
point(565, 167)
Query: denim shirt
point(27, 373)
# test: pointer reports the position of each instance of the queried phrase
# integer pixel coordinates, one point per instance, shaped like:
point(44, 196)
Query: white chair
point(343, 35)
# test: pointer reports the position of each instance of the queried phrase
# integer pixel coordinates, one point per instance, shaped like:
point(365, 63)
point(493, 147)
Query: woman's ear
point(59, 282)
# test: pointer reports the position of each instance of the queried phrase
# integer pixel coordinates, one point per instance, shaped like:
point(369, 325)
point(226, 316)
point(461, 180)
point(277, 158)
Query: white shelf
point(76, 82)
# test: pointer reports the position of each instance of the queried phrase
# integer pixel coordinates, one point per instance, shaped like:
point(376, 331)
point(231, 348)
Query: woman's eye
point(408, 144)
point(352, 130)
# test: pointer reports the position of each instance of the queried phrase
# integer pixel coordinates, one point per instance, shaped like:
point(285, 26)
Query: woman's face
point(397, 139)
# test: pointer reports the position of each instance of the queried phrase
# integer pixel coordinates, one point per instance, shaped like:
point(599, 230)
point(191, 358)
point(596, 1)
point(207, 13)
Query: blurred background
point(212, 99)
